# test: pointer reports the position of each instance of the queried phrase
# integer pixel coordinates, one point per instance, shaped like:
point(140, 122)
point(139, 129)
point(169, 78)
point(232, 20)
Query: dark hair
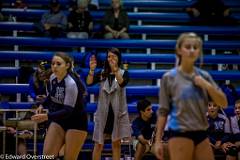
point(143, 104)
point(45, 71)
point(67, 59)
point(106, 67)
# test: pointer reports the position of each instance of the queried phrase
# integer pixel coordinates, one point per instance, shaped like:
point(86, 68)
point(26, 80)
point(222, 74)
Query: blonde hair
point(180, 41)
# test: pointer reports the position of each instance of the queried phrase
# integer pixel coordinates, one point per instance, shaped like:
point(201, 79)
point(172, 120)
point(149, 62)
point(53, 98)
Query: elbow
point(122, 84)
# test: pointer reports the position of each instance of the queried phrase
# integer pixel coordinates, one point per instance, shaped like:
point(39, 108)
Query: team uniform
point(145, 128)
point(219, 128)
point(185, 103)
point(66, 104)
point(235, 127)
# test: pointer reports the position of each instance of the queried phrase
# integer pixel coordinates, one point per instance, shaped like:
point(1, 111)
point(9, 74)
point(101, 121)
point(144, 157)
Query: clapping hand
point(39, 118)
point(113, 65)
point(93, 63)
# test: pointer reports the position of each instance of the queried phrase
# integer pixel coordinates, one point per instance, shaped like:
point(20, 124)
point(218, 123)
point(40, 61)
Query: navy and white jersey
point(219, 128)
point(185, 102)
point(64, 94)
point(235, 127)
point(145, 128)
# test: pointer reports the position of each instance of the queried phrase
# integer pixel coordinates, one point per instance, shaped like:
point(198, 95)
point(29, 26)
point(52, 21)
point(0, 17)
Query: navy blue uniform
point(65, 103)
point(235, 127)
point(145, 128)
point(219, 129)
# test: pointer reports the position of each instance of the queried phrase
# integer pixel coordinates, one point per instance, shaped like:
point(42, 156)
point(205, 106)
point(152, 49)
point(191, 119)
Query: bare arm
point(109, 29)
point(161, 122)
point(216, 95)
point(92, 65)
point(90, 77)
point(143, 140)
point(119, 76)
point(124, 29)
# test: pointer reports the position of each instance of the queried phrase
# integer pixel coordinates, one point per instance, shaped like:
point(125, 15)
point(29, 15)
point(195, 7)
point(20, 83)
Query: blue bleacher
point(148, 29)
point(135, 74)
point(146, 16)
point(136, 90)
point(6, 88)
point(103, 43)
point(90, 108)
point(137, 3)
point(126, 57)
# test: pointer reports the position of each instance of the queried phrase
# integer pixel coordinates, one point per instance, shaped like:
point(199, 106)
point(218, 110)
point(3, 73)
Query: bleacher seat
point(126, 57)
point(136, 3)
point(103, 43)
point(148, 29)
point(98, 15)
point(131, 90)
point(136, 90)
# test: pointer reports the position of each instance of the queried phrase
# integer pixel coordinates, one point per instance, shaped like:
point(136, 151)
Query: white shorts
point(148, 148)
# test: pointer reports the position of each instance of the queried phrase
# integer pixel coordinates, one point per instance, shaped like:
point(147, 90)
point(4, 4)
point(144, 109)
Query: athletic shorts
point(196, 136)
point(78, 122)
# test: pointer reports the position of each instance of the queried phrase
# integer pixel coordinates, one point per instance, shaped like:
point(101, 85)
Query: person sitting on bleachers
point(116, 22)
point(235, 124)
point(80, 21)
point(210, 12)
point(143, 128)
point(219, 132)
point(20, 4)
point(54, 22)
point(38, 83)
point(91, 5)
